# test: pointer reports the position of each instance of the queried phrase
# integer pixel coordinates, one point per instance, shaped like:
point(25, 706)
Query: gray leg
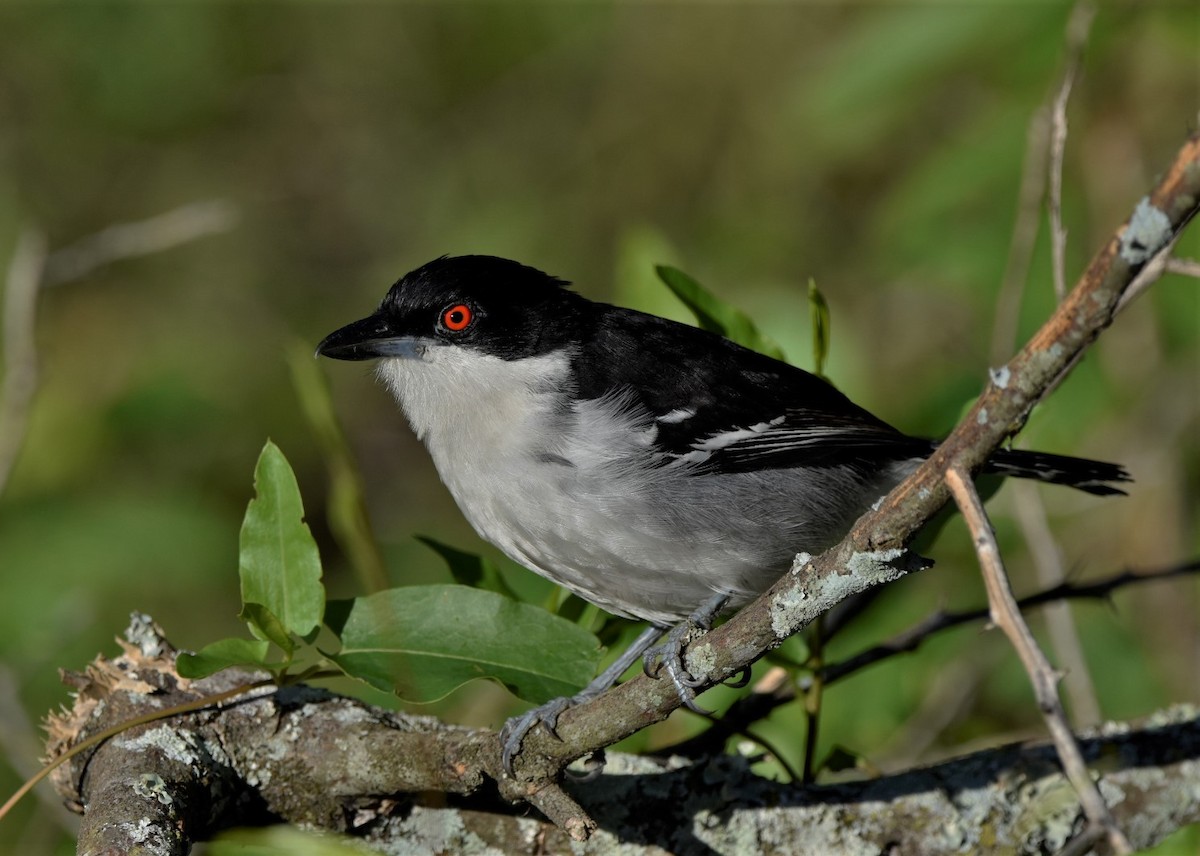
point(669, 654)
point(514, 731)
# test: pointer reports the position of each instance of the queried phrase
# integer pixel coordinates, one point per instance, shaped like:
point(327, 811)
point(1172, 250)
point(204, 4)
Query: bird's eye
point(458, 317)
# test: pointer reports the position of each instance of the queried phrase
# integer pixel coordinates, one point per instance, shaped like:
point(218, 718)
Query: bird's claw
point(740, 681)
point(669, 655)
point(512, 735)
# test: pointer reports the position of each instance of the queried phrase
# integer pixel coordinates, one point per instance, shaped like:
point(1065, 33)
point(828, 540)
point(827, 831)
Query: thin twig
point(910, 639)
point(1150, 273)
point(18, 737)
point(767, 696)
point(20, 349)
point(875, 551)
point(1007, 616)
point(813, 693)
point(1184, 267)
point(1024, 236)
point(1078, 26)
point(140, 238)
point(1030, 512)
point(153, 716)
point(32, 268)
point(770, 748)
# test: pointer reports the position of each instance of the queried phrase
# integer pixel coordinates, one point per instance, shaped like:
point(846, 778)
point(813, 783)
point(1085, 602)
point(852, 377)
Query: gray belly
point(659, 547)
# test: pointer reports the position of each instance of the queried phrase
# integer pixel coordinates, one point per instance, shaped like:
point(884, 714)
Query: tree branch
point(312, 758)
point(875, 550)
point(393, 755)
point(768, 695)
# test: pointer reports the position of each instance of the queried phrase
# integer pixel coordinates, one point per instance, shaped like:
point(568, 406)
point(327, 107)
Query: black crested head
point(489, 273)
point(494, 305)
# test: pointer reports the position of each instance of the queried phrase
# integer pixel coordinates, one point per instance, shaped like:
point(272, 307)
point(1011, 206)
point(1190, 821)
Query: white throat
point(461, 402)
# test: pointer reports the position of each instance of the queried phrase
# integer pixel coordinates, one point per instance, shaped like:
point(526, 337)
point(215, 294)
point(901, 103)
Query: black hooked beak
point(369, 339)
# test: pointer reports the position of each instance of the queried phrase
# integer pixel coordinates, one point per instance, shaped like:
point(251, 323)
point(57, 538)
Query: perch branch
point(768, 695)
point(875, 551)
point(312, 758)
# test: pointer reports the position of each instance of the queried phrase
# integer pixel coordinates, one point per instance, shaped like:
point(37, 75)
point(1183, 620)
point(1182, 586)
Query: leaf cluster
point(419, 642)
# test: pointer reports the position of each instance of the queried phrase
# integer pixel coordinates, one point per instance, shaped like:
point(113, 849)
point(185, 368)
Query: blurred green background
point(877, 148)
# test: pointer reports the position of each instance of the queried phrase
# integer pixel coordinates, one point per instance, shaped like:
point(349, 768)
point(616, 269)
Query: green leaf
point(716, 315)
point(221, 655)
point(265, 625)
point(279, 564)
point(469, 569)
point(422, 642)
point(819, 310)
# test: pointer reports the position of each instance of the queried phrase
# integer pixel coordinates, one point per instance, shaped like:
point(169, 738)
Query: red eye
point(457, 317)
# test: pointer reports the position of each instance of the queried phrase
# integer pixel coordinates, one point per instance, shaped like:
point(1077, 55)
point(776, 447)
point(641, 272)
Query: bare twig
point(1030, 512)
point(1045, 142)
point(1184, 267)
point(32, 268)
point(19, 740)
point(20, 349)
point(1024, 236)
point(767, 696)
point(911, 639)
point(813, 693)
point(140, 238)
point(875, 550)
point(1007, 616)
point(1078, 26)
point(1147, 276)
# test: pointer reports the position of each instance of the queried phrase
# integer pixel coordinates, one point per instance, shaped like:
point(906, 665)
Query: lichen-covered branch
point(308, 779)
point(875, 550)
point(316, 759)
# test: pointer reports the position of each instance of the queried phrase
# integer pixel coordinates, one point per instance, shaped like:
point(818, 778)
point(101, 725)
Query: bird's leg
point(514, 731)
point(669, 654)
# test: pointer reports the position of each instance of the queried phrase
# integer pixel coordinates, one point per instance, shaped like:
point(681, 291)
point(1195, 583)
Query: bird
point(655, 469)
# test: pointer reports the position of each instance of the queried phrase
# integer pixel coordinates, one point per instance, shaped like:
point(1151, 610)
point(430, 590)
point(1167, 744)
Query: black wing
point(727, 408)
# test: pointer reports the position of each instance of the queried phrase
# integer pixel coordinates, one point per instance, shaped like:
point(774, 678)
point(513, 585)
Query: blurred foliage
point(876, 147)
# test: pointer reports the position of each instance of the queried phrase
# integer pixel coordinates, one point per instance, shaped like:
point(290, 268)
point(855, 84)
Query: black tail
point(1091, 476)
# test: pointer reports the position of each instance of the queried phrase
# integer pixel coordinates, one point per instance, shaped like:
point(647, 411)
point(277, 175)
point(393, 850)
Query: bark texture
point(315, 759)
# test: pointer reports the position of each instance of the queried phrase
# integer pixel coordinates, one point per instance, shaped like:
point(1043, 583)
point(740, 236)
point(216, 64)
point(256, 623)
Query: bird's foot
point(669, 654)
point(512, 735)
